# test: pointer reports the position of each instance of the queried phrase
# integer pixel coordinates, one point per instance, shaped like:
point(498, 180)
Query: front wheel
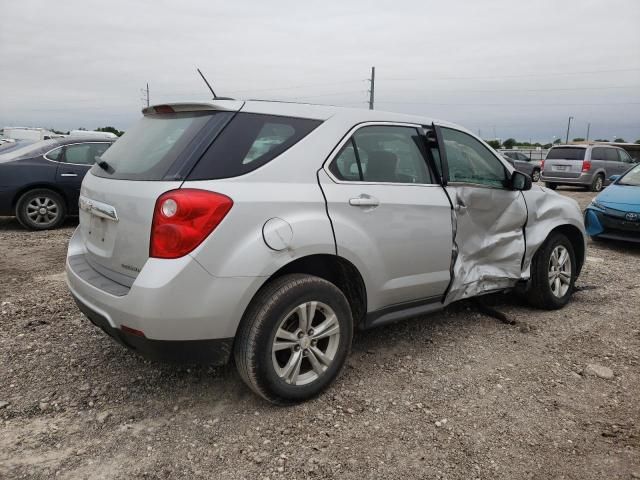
point(552, 273)
point(294, 338)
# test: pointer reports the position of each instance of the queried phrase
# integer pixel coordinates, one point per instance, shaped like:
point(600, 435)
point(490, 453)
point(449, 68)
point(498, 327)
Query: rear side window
point(611, 155)
point(249, 141)
point(598, 153)
point(566, 153)
point(151, 147)
point(383, 154)
point(84, 153)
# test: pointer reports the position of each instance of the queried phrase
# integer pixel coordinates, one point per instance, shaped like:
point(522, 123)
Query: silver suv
point(586, 165)
point(270, 232)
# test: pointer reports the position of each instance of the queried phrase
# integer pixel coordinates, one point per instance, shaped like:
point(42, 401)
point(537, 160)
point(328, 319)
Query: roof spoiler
point(220, 104)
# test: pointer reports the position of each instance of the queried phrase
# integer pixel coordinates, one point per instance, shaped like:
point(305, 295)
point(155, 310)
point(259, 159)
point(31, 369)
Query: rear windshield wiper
point(104, 165)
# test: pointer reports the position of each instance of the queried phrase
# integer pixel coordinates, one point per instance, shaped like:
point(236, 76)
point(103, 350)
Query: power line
point(555, 74)
point(510, 104)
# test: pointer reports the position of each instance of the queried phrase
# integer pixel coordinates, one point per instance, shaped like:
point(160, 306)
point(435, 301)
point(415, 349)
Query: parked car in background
point(40, 182)
point(524, 164)
point(270, 231)
point(589, 166)
point(615, 213)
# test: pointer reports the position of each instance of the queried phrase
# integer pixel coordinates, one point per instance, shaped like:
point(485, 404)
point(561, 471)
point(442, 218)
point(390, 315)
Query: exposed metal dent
point(547, 210)
point(488, 243)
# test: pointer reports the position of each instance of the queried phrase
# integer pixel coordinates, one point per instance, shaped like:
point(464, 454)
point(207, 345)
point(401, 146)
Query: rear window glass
point(151, 147)
point(566, 153)
point(249, 141)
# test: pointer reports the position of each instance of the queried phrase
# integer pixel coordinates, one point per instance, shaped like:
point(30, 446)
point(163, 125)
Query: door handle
point(68, 174)
point(364, 201)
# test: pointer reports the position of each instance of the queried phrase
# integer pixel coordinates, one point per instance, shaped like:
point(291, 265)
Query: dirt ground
point(458, 395)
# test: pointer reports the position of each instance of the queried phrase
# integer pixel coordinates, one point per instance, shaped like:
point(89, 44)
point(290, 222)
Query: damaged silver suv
point(269, 232)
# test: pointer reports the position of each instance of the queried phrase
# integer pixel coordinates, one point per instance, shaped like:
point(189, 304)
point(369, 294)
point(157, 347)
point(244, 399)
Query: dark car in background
point(524, 164)
point(40, 182)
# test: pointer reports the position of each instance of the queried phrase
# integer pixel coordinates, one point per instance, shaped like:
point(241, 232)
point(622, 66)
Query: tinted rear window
point(152, 147)
point(249, 141)
point(566, 153)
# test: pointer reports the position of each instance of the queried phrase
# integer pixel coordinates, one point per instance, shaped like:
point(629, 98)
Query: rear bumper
point(213, 352)
point(175, 301)
point(583, 179)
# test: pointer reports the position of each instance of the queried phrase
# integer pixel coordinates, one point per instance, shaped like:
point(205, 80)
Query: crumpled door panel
point(489, 243)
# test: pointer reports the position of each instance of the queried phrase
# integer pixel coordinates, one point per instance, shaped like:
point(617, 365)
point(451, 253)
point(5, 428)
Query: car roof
point(304, 110)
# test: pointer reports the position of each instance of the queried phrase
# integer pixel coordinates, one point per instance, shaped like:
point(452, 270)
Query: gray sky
point(519, 67)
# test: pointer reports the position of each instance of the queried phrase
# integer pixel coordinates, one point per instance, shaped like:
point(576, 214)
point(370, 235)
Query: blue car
point(615, 213)
point(40, 182)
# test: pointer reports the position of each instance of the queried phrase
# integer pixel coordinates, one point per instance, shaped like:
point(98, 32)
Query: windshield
point(566, 153)
point(632, 177)
point(150, 148)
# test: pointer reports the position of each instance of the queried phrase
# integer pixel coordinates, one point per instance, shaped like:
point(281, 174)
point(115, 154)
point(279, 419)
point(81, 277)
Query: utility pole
point(372, 81)
point(588, 128)
point(145, 94)
point(568, 127)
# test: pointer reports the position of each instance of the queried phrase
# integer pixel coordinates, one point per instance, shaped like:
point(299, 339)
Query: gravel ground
point(455, 395)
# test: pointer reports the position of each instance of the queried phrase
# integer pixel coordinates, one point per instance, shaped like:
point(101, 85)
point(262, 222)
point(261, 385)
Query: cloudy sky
point(502, 67)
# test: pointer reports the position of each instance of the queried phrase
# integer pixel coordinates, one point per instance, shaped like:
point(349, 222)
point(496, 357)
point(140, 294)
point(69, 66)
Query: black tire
point(535, 175)
point(598, 183)
point(50, 200)
point(540, 293)
point(271, 305)
point(551, 186)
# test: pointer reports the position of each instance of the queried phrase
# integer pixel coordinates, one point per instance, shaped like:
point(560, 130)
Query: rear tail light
point(542, 165)
point(183, 218)
point(586, 165)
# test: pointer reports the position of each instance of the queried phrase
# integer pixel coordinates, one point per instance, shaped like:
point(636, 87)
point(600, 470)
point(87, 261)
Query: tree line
point(509, 143)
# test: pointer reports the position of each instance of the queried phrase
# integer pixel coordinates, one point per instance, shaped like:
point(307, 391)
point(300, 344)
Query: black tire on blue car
point(41, 209)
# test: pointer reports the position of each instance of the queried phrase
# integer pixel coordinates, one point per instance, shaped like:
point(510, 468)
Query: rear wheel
point(40, 209)
point(535, 175)
point(294, 338)
point(598, 183)
point(551, 186)
point(552, 273)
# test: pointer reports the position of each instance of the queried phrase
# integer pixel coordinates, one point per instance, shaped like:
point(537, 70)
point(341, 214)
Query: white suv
point(269, 232)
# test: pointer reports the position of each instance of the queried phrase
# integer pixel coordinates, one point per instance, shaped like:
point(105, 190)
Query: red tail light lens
point(586, 165)
point(183, 218)
point(542, 165)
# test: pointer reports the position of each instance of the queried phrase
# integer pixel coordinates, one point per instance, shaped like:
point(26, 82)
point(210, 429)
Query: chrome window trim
point(336, 150)
point(44, 155)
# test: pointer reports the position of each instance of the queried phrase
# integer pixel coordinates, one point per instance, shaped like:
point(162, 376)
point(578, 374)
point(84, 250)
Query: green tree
point(547, 146)
point(493, 143)
point(557, 141)
point(110, 130)
point(601, 140)
point(578, 139)
point(638, 141)
point(620, 140)
point(509, 143)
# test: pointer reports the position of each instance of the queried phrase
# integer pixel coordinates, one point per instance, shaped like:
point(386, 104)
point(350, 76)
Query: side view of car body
point(589, 166)
point(270, 232)
point(615, 213)
point(40, 182)
point(524, 164)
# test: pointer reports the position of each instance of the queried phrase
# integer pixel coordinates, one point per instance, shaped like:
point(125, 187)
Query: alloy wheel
point(43, 211)
point(560, 271)
point(306, 343)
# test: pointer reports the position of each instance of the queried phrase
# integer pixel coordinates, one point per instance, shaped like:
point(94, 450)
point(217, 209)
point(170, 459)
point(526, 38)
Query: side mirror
point(613, 178)
point(520, 181)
